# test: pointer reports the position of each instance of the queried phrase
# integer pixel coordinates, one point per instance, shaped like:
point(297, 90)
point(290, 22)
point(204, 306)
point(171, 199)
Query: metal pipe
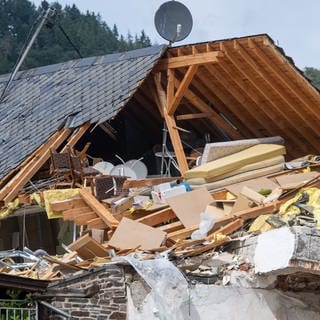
point(61, 312)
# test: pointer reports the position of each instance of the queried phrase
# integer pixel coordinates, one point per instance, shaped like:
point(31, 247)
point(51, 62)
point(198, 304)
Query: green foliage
point(14, 303)
point(88, 32)
point(314, 75)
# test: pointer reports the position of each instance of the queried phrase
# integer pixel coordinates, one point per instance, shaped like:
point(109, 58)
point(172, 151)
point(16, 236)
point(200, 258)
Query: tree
point(87, 31)
point(314, 75)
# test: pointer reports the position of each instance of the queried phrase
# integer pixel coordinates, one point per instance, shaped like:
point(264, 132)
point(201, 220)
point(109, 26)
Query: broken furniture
point(108, 186)
point(61, 165)
point(85, 174)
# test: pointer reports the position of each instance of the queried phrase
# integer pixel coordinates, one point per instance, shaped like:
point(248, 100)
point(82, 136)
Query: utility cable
point(70, 41)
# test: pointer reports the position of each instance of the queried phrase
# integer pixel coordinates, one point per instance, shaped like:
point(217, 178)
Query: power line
point(68, 38)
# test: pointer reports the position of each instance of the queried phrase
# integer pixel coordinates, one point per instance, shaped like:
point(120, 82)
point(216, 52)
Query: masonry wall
point(109, 302)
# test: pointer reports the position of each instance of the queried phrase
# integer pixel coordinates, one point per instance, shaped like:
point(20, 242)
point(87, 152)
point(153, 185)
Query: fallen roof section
point(44, 99)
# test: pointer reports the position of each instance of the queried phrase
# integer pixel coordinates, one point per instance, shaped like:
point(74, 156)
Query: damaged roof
point(42, 100)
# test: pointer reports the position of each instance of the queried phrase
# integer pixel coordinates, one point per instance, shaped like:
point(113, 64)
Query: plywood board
point(293, 181)
point(254, 184)
point(188, 206)
point(131, 234)
point(88, 248)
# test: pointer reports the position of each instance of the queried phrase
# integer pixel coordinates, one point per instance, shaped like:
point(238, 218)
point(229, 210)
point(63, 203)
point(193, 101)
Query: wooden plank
point(188, 60)
point(98, 207)
point(149, 182)
point(67, 204)
point(29, 171)
point(182, 89)
point(96, 223)
point(157, 217)
point(84, 217)
point(27, 162)
point(195, 116)
point(88, 248)
point(171, 227)
point(182, 234)
point(70, 214)
point(227, 229)
point(76, 136)
point(130, 234)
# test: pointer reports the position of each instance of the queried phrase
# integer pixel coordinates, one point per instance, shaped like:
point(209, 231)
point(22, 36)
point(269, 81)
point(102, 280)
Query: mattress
point(249, 167)
point(216, 150)
point(235, 161)
point(240, 178)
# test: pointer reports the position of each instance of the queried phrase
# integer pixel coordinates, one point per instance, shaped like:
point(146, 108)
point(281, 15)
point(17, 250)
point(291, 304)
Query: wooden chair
point(82, 173)
point(108, 186)
point(61, 166)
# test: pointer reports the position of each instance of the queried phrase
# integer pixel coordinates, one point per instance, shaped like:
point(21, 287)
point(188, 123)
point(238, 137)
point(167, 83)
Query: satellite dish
point(173, 21)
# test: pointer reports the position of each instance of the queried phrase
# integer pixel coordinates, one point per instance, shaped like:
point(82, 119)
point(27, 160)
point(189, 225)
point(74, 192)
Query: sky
point(292, 24)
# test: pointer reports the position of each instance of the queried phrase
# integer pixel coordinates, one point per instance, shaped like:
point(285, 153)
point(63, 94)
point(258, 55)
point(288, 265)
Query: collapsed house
point(222, 189)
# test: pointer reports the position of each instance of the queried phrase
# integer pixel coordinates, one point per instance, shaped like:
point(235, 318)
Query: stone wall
point(108, 302)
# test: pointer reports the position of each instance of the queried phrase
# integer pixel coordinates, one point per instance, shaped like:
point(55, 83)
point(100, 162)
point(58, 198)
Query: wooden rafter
point(202, 86)
point(301, 116)
point(195, 116)
point(304, 86)
point(270, 67)
point(228, 93)
point(215, 117)
point(26, 173)
point(188, 60)
point(171, 124)
point(235, 86)
point(76, 136)
point(182, 89)
point(263, 91)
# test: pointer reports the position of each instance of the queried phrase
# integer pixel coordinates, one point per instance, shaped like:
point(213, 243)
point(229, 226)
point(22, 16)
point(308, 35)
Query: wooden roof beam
point(230, 90)
point(246, 97)
point(265, 93)
point(271, 83)
point(297, 118)
point(220, 105)
point(188, 60)
point(299, 78)
point(282, 79)
point(215, 117)
point(182, 89)
point(170, 121)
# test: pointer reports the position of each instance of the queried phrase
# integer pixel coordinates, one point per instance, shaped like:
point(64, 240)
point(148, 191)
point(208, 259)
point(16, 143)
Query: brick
point(118, 316)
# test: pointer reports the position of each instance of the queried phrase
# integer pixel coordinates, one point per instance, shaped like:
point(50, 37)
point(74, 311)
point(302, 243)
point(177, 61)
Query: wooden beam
point(182, 89)
point(67, 204)
point(99, 208)
point(171, 227)
point(234, 89)
point(76, 136)
point(96, 223)
point(304, 84)
point(157, 217)
point(285, 82)
point(301, 116)
point(174, 134)
point(195, 116)
point(29, 171)
point(188, 60)
point(265, 94)
point(208, 90)
point(148, 182)
point(216, 118)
